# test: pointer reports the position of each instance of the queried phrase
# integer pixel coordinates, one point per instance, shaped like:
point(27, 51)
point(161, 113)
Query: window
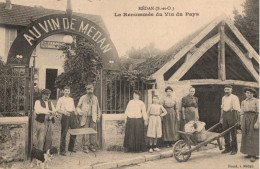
point(11, 35)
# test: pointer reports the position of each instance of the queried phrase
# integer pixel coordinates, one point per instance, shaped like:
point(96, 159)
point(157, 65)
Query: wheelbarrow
point(182, 149)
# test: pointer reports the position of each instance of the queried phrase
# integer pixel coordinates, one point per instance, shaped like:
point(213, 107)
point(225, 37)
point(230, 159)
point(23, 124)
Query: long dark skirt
point(170, 125)
point(250, 136)
point(134, 135)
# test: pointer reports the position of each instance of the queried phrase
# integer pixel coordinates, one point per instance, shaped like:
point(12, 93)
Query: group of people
point(247, 116)
point(164, 120)
point(87, 109)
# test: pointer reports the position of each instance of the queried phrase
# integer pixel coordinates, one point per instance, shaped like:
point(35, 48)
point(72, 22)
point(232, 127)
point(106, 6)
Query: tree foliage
point(82, 64)
point(248, 22)
point(143, 53)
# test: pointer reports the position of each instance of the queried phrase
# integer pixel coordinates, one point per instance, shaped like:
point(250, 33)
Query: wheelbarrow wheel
point(179, 151)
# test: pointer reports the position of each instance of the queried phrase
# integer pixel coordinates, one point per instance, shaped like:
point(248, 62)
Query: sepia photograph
point(130, 84)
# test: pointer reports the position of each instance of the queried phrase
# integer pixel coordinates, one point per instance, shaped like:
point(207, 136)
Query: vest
point(41, 117)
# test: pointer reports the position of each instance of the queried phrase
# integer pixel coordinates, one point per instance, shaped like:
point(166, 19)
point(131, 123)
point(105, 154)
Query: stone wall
point(113, 130)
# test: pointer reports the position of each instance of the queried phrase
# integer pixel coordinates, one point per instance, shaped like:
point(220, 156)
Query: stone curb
point(152, 157)
point(166, 154)
point(133, 161)
point(105, 165)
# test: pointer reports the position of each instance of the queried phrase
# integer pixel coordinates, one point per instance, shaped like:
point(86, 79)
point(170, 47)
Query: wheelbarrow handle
point(213, 127)
point(184, 133)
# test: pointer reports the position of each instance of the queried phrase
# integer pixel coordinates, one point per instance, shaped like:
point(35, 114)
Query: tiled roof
point(20, 15)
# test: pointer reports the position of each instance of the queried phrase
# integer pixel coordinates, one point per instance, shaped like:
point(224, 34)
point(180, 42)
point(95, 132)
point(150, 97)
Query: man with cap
point(250, 124)
point(230, 109)
point(88, 107)
point(45, 112)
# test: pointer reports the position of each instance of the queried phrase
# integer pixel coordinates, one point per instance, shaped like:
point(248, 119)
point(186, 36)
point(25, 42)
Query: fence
point(118, 91)
point(14, 91)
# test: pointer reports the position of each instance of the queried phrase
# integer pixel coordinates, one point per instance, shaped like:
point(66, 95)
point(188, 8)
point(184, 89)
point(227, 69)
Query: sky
point(139, 31)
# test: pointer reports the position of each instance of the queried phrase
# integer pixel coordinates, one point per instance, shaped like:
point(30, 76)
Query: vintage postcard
point(129, 84)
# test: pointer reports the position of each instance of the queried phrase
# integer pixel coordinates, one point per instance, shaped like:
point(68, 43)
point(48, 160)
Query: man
point(230, 109)
point(88, 107)
point(66, 107)
point(45, 112)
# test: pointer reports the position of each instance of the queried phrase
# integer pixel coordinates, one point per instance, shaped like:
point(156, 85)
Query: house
point(48, 61)
point(213, 56)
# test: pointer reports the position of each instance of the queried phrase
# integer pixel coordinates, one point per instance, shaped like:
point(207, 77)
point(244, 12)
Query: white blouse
point(136, 109)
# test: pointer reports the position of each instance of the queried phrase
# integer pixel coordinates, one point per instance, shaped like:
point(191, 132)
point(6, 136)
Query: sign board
point(36, 32)
point(51, 44)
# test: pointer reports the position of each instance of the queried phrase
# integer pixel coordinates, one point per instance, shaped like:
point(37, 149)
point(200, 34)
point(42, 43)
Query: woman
point(136, 116)
point(190, 107)
point(250, 125)
point(170, 124)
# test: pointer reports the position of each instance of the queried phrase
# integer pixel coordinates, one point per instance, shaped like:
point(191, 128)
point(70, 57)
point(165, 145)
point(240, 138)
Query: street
point(209, 159)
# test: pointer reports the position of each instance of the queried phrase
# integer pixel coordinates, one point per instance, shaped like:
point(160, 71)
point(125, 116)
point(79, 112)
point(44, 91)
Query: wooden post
point(120, 94)
point(125, 96)
point(221, 53)
point(115, 96)
point(105, 98)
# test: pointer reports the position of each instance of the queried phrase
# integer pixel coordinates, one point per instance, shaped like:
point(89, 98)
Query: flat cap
point(228, 86)
point(45, 91)
point(168, 88)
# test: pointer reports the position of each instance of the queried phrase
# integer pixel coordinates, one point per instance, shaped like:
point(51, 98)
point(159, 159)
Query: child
point(155, 112)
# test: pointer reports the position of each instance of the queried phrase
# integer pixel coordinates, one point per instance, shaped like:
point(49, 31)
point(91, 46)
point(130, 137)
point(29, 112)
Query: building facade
point(48, 58)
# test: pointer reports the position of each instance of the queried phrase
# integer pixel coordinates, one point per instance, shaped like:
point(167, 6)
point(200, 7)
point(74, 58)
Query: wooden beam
point(188, 55)
point(243, 40)
point(194, 58)
point(245, 61)
point(221, 53)
point(189, 46)
point(213, 82)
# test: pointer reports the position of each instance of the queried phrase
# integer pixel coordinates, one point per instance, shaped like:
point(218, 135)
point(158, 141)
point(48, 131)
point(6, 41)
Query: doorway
point(210, 97)
point(51, 75)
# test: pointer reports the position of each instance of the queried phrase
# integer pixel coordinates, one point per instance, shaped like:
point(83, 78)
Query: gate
point(14, 91)
point(117, 91)
point(16, 97)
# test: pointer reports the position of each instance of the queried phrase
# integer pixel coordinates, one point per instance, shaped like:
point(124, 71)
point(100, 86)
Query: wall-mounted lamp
point(67, 39)
point(111, 61)
point(19, 56)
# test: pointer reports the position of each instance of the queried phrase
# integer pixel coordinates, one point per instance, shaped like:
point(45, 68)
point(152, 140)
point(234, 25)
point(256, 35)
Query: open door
point(51, 75)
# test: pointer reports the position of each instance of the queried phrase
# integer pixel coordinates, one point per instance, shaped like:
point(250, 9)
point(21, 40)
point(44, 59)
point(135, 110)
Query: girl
point(155, 112)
